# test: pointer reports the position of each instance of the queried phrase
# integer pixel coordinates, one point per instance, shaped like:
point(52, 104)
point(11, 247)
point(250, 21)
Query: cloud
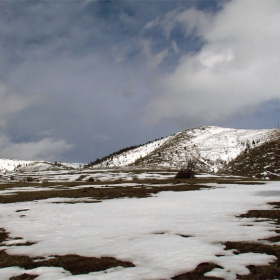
point(236, 69)
point(45, 149)
point(82, 74)
point(11, 103)
point(191, 20)
point(152, 59)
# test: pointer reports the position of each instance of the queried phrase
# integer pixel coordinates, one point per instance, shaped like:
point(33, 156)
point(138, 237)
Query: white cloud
point(236, 69)
point(45, 149)
point(193, 21)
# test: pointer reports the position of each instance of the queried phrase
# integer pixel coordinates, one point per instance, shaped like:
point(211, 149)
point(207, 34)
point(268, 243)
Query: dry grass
point(98, 193)
point(111, 189)
point(82, 265)
point(271, 271)
point(74, 263)
point(3, 235)
point(24, 277)
point(261, 161)
point(198, 273)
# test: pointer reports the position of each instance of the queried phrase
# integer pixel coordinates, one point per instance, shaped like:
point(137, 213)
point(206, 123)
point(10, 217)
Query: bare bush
point(186, 172)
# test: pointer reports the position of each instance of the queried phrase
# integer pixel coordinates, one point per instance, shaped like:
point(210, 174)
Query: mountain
point(210, 147)
point(244, 152)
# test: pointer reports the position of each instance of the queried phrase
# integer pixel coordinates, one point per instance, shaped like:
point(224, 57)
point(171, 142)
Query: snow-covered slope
point(262, 162)
point(134, 155)
point(7, 165)
point(210, 146)
point(15, 165)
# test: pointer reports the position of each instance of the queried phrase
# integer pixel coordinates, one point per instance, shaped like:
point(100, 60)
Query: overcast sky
point(82, 79)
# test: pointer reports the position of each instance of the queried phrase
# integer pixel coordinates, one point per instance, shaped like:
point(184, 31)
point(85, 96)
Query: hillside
point(260, 162)
point(212, 148)
point(15, 165)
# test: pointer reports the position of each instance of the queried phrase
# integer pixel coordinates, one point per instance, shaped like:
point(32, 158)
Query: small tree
point(186, 172)
point(90, 179)
point(29, 179)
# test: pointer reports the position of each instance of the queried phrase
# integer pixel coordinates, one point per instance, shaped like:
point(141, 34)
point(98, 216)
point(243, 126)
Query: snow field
point(148, 232)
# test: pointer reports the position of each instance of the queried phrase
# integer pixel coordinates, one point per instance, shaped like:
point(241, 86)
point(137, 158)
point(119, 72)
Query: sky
point(82, 79)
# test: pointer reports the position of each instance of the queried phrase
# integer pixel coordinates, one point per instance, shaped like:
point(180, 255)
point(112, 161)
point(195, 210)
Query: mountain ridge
point(211, 147)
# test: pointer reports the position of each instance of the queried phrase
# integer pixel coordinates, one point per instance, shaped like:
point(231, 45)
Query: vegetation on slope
point(259, 162)
point(112, 155)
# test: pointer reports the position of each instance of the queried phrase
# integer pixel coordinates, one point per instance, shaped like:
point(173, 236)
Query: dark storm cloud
point(63, 56)
point(81, 79)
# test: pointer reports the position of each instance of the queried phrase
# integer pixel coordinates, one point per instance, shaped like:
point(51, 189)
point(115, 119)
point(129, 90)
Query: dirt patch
point(109, 192)
point(3, 235)
point(271, 271)
point(198, 273)
point(185, 235)
point(74, 263)
point(22, 210)
point(269, 215)
point(24, 276)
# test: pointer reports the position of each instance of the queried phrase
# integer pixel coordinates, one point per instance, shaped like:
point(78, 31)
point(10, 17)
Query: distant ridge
point(16, 165)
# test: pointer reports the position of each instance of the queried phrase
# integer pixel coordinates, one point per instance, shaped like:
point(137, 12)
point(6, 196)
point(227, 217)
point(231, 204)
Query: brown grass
point(198, 273)
point(82, 265)
point(225, 180)
point(24, 277)
point(271, 271)
point(97, 193)
point(74, 263)
point(3, 235)
point(112, 189)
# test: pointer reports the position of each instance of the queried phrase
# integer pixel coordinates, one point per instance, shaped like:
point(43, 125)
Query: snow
point(103, 175)
point(210, 145)
point(15, 165)
point(147, 231)
point(7, 165)
point(131, 156)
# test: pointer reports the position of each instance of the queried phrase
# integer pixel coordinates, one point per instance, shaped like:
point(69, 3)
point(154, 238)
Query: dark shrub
point(186, 172)
point(29, 179)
